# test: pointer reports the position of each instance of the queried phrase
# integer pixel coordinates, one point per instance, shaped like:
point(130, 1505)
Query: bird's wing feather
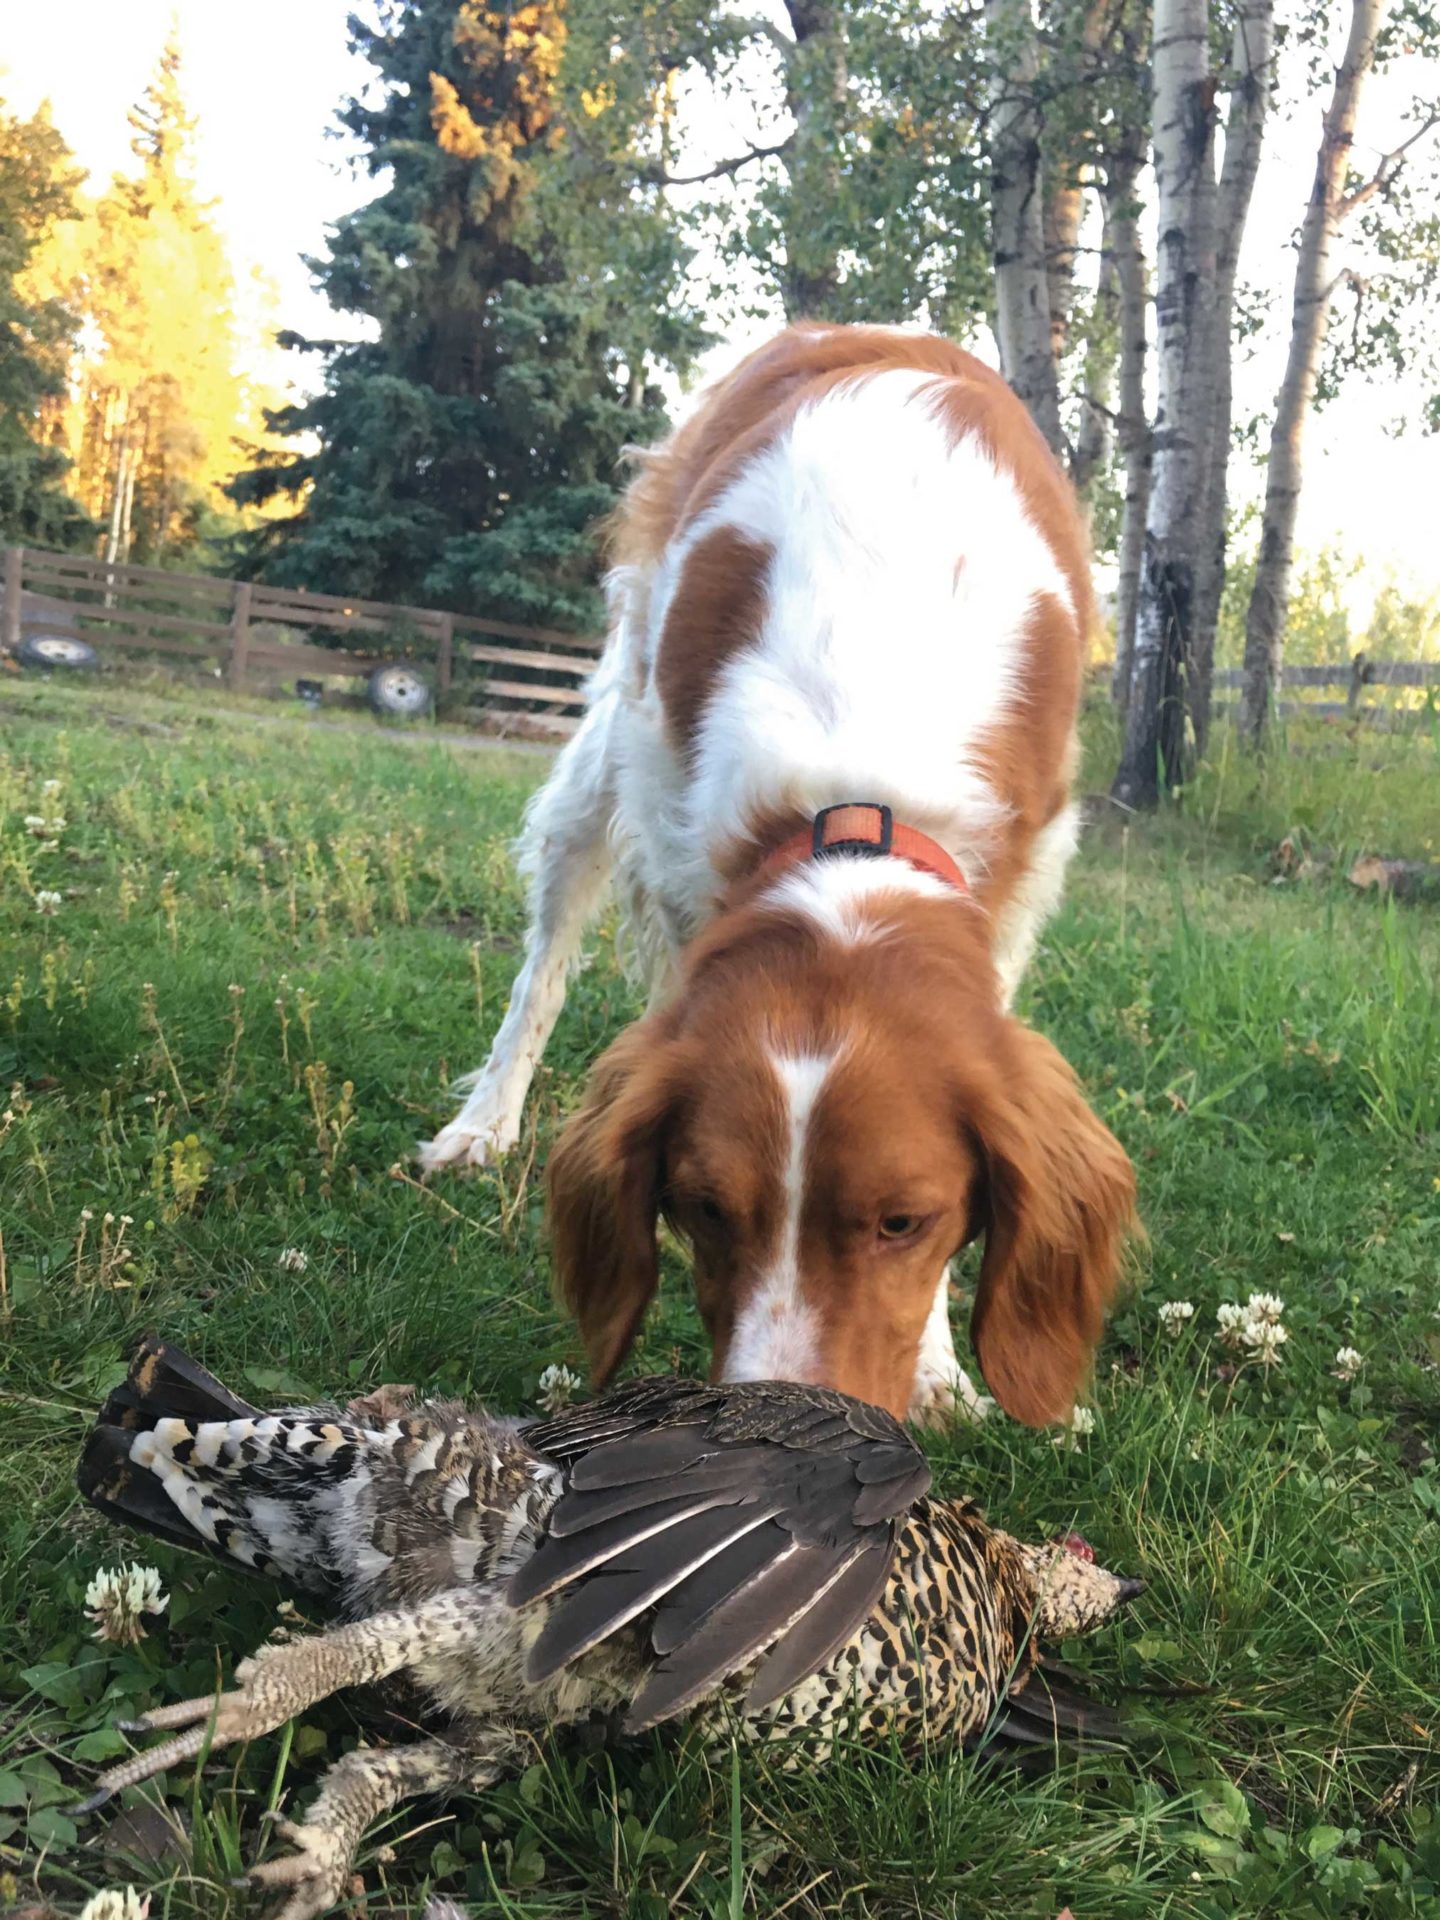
point(732, 1634)
point(666, 1484)
point(821, 1630)
point(616, 1592)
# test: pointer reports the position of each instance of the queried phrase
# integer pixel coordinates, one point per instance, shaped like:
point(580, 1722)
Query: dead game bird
point(761, 1556)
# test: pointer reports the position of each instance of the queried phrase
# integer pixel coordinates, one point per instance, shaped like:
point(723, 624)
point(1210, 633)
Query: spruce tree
point(37, 185)
point(522, 294)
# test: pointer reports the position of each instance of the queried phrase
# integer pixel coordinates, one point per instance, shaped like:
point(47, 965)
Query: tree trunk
point(137, 455)
point(117, 496)
point(1314, 286)
point(1155, 747)
point(1251, 58)
point(1065, 173)
point(1022, 293)
point(1060, 223)
point(1132, 425)
point(1097, 402)
point(817, 75)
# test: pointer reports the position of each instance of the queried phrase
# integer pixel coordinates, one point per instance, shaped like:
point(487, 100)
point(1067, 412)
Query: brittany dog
point(827, 765)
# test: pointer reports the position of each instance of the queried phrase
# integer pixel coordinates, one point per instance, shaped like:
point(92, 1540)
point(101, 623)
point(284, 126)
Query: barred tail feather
point(175, 1454)
point(165, 1384)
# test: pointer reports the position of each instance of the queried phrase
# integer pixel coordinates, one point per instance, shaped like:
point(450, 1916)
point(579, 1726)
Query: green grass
point(1270, 1055)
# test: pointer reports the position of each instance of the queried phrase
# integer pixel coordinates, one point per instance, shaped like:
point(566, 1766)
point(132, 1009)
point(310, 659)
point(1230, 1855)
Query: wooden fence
point(1353, 676)
point(520, 679)
point(515, 678)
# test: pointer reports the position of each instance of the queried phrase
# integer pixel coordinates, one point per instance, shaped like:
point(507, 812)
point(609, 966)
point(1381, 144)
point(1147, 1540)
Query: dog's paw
point(468, 1141)
point(940, 1399)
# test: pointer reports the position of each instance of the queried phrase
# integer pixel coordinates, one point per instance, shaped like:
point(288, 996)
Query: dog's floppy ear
point(1060, 1198)
point(603, 1193)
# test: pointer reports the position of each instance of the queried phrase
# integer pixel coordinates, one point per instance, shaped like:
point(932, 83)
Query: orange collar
point(862, 829)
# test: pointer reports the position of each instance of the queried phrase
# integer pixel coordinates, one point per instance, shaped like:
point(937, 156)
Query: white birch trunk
point(1132, 424)
point(117, 495)
point(1155, 748)
point(1022, 293)
point(1251, 81)
point(1314, 287)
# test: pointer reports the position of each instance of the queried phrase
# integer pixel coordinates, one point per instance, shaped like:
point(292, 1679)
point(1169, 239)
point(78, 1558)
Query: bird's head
point(1068, 1592)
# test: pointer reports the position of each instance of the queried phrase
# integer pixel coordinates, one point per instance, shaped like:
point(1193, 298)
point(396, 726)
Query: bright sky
point(264, 84)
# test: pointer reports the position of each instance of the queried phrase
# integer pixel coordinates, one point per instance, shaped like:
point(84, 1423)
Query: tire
point(399, 691)
point(57, 649)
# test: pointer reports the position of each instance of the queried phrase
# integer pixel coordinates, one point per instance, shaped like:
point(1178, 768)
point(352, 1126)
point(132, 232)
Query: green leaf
point(1320, 1842)
point(49, 1827)
point(103, 1744)
point(63, 1686)
point(445, 1860)
point(532, 1785)
point(12, 1789)
point(527, 1869)
point(43, 1785)
point(1153, 1646)
point(281, 1380)
point(1224, 1809)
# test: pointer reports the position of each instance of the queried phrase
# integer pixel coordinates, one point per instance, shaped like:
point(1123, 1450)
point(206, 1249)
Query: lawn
point(269, 945)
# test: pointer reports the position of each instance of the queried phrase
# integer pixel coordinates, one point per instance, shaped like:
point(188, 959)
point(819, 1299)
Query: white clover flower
point(35, 823)
point(1348, 1362)
point(1265, 1306)
point(116, 1598)
point(1264, 1339)
point(293, 1260)
point(1230, 1323)
point(1173, 1315)
point(1081, 1425)
point(50, 786)
point(47, 901)
point(558, 1387)
point(115, 1904)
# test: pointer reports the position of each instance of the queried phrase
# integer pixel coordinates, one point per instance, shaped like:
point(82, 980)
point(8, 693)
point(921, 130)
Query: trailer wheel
point(398, 690)
point(56, 649)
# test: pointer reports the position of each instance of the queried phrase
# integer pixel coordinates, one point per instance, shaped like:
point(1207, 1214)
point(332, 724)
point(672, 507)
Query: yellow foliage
point(598, 100)
point(156, 397)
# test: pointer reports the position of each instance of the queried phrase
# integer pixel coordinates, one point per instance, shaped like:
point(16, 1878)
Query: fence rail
point(1352, 675)
point(516, 678)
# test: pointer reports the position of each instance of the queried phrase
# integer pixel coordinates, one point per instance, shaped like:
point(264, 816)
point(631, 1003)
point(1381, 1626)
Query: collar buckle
point(841, 830)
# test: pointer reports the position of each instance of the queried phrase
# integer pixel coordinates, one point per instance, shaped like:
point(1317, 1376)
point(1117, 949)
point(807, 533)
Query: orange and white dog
point(827, 764)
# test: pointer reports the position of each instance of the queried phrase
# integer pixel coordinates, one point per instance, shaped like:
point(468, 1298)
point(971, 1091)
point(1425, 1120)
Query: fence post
point(14, 565)
point(445, 654)
point(239, 635)
point(1359, 674)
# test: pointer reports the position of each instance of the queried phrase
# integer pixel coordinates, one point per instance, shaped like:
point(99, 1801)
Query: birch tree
point(1315, 284)
point(1132, 423)
point(1183, 110)
point(1251, 81)
point(1023, 322)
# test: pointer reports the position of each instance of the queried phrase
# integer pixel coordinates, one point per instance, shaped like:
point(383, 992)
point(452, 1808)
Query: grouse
point(764, 1557)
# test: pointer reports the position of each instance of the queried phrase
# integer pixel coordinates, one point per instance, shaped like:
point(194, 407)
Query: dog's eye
point(711, 1212)
point(900, 1226)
